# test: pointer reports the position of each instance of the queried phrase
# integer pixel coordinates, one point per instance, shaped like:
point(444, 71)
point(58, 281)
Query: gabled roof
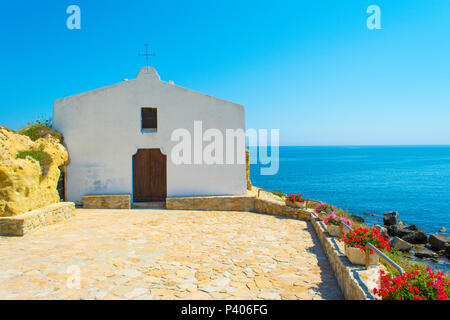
point(146, 73)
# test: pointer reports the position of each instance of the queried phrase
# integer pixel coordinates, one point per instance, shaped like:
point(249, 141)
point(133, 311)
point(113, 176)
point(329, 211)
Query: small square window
point(149, 120)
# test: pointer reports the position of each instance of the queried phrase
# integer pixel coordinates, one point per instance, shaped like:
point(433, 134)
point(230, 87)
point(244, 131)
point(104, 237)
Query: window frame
point(149, 130)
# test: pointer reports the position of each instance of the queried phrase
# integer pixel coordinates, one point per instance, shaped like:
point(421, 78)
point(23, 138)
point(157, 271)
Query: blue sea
point(413, 180)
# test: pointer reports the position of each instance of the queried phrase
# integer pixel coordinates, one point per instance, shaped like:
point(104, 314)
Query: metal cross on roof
point(146, 54)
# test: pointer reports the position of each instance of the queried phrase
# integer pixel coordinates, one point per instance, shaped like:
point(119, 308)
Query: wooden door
point(149, 176)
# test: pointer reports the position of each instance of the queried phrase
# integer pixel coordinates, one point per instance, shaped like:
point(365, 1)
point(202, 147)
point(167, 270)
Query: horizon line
point(365, 145)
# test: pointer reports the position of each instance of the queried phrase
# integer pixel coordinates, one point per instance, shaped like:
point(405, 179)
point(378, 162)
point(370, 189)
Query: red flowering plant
point(417, 284)
point(322, 208)
point(359, 237)
point(294, 198)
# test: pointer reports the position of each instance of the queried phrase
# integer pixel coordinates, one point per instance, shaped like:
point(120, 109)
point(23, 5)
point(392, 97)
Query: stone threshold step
point(145, 205)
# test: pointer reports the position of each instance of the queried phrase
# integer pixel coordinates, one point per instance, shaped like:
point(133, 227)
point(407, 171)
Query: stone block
point(109, 201)
point(21, 224)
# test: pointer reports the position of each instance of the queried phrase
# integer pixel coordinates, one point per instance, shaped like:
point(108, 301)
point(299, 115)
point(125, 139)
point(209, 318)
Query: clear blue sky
point(310, 68)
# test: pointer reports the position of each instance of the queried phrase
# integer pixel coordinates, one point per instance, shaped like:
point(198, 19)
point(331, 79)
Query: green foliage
point(40, 128)
point(312, 204)
point(342, 213)
point(279, 193)
point(396, 256)
point(399, 258)
point(40, 155)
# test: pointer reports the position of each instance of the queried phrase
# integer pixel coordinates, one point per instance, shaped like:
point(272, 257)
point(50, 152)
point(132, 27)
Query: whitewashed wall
point(102, 130)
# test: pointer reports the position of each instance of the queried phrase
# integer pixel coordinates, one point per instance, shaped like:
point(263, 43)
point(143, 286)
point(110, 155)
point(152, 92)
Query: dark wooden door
point(149, 176)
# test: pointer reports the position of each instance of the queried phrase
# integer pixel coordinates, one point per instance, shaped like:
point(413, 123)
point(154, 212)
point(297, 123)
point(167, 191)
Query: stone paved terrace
point(164, 254)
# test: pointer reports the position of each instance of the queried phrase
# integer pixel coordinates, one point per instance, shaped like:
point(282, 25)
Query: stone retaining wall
point(223, 203)
point(356, 282)
point(237, 203)
point(32, 220)
point(280, 209)
point(110, 201)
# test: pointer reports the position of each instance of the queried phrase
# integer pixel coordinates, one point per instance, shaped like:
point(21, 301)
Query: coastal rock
point(356, 218)
point(412, 233)
point(392, 230)
point(438, 241)
point(369, 214)
point(439, 252)
point(400, 230)
point(447, 252)
point(25, 183)
point(400, 244)
point(390, 218)
point(442, 229)
point(425, 253)
point(416, 237)
point(383, 230)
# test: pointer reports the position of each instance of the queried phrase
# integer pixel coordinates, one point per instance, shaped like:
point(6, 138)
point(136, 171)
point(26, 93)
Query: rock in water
point(447, 252)
point(412, 234)
point(390, 218)
point(369, 214)
point(401, 230)
point(438, 241)
point(400, 244)
point(356, 218)
point(393, 230)
point(425, 253)
point(442, 229)
point(416, 237)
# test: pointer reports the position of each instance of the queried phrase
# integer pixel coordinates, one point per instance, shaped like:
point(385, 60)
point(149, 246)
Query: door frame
point(137, 148)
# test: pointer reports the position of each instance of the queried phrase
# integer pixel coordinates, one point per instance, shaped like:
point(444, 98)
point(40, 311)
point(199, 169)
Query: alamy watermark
point(213, 147)
point(74, 20)
point(74, 280)
point(374, 20)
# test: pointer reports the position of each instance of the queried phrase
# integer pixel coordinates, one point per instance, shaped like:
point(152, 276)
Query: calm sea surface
point(413, 180)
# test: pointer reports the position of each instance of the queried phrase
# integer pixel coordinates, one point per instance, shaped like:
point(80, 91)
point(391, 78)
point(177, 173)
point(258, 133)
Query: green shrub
point(342, 213)
point(279, 193)
point(40, 155)
point(40, 128)
point(399, 258)
point(312, 204)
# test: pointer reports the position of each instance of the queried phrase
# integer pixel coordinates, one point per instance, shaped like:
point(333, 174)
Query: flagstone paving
point(164, 254)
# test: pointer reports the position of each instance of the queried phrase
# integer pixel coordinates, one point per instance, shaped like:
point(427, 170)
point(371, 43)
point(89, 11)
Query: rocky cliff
point(29, 172)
